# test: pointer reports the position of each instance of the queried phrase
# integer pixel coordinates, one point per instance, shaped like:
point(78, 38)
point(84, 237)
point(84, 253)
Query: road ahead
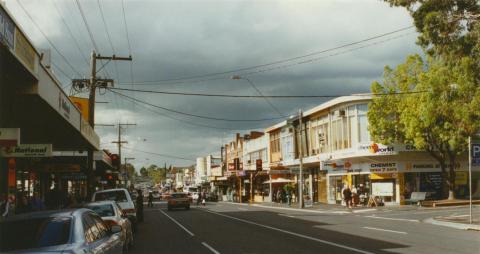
point(230, 228)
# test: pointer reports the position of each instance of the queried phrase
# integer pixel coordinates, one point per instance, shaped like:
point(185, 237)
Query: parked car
point(67, 231)
point(113, 215)
point(123, 199)
point(178, 199)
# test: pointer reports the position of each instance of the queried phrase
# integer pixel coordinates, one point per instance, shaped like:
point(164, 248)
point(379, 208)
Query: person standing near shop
point(4, 206)
point(354, 196)
point(24, 205)
point(150, 199)
point(347, 196)
point(36, 202)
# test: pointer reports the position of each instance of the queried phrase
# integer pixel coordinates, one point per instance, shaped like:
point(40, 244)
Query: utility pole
point(91, 84)
point(300, 153)
point(119, 143)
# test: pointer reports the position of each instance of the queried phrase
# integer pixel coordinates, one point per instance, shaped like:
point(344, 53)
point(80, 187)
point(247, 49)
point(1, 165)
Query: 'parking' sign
point(476, 153)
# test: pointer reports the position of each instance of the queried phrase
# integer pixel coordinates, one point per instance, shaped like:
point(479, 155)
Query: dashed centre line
point(386, 230)
point(210, 248)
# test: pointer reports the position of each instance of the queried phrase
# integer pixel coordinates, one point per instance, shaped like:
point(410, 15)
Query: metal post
point(91, 121)
point(470, 174)
point(300, 155)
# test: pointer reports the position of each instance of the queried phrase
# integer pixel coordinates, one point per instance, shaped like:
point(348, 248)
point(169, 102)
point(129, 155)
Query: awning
point(279, 180)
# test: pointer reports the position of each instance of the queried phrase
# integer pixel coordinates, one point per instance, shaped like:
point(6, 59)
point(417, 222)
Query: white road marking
point(286, 215)
point(210, 248)
point(386, 218)
point(386, 230)
point(243, 209)
point(303, 210)
point(178, 223)
point(364, 210)
point(292, 233)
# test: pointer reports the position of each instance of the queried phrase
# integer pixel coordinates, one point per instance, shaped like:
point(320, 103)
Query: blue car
point(66, 231)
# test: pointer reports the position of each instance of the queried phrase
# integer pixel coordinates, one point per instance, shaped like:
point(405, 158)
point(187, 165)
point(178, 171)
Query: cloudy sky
point(177, 45)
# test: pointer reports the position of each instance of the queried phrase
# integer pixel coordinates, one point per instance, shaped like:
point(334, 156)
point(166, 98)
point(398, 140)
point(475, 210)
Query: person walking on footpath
point(347, 196)
point(150, 199)
point(199, 199)
point(4, 206)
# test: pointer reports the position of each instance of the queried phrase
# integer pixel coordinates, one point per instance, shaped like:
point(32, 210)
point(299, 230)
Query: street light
point(237, 77)
point(125, 171)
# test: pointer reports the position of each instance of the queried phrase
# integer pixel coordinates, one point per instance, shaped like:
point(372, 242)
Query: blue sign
point(7, 29)
point(475, 154)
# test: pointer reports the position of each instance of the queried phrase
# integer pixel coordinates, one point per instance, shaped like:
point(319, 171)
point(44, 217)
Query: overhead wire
point(185, 121)
point(195, 115)
point(132, 77)
point(186, 78)
point(252, 96)
point(48, 39)
point(158, 154)
point(70, 33)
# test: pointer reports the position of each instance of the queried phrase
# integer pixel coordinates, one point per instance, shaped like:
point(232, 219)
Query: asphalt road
point(232, 228)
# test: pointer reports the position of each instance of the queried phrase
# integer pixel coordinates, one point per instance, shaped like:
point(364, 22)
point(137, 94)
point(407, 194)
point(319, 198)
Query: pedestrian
point(204, 198)
point(139, 203)
point(150, 199)
point(23, 206)
point(279, 196)
point(347, 196)
point(4, 206)
point(289, 197)
point(354, 196)
point(199, 199)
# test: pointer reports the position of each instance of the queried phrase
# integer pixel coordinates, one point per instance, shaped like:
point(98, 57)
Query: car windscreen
point(34, 233)
point(191, 189)
point(179, 195)
point(118, 196)
point(105, 210)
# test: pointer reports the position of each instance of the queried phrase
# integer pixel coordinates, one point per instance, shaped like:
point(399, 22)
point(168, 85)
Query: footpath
point(452, 221)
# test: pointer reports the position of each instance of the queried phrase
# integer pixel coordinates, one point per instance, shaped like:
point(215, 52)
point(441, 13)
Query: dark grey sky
point(175, 39)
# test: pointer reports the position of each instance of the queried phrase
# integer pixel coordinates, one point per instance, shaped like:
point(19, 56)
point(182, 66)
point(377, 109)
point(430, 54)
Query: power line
point(280, 61)
point(108, 34)
point(46, 38)
point(254, 96)
point(132, 78)
point(182, 120)
point(159, 154)
point(92, 39)
point(194, 115)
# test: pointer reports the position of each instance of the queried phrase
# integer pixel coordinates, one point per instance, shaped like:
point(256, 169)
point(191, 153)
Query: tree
point(434, 105)
point(448, 28)
point(143, 172)
point(131, 170)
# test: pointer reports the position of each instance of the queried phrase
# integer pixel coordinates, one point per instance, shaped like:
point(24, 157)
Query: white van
point(123, 199)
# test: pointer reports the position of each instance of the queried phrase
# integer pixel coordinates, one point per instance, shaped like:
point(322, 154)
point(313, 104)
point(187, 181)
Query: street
point(233, 228)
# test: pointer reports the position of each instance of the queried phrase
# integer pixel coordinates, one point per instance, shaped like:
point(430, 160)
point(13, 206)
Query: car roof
point(49, 214)
point(110, 190)
point(104, 202)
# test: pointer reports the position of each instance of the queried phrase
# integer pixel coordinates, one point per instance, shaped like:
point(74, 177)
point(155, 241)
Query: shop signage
point(9, 137)
point(475, 152)
point(62, 168)
point(382, 189)
point(216, 171)
point(7, 30)
point(64, 104)
point(82, 105)
point(24, 51)
point(221, 178)
point(377, 148)
point(280, 172)
point(12, 165)
point(27, 150)
point(461, 177)
point(240, 173)
point(383, 167)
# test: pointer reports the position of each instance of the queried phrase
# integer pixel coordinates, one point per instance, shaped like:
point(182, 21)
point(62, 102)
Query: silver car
point(68, 231)
point(113, 215)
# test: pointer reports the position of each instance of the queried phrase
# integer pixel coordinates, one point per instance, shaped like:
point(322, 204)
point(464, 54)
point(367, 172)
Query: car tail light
point(129, 211)
point(111, 223)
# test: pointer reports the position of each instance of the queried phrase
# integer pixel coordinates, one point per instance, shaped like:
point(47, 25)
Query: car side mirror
point(115, 229)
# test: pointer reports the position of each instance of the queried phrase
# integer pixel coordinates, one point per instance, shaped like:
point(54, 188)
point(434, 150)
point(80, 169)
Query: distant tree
point(131, 170)
point(439, 110)
point(143, 172)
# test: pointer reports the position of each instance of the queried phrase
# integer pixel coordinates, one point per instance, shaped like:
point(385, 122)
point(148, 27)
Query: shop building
point(256, 167)
point(37, 111)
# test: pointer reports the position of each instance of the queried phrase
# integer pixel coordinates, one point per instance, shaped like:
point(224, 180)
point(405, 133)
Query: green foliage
point(438, 110)
point(448, 28)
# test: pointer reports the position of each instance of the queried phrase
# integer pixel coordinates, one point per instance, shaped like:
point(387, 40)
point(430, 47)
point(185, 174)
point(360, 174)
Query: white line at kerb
point(386, 230)
point(176, 222)
point(292, 233)
point(386, 218)
point(210, 248)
